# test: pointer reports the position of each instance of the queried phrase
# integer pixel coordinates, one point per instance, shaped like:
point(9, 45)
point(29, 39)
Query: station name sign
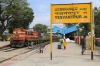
point(71, 13)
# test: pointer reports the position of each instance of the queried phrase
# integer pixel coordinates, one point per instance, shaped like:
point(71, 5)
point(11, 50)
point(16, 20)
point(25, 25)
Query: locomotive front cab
point(18, 37)
point(18, 34)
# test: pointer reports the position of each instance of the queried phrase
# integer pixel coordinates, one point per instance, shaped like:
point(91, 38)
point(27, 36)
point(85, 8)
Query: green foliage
point(40, 28)
point(85, 30)
point(15, 13)
point(23, 21)
point(97, 24)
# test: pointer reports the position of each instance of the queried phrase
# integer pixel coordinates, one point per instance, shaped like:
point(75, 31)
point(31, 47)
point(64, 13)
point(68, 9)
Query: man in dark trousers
point(83, 43)
point(41, 48)
point(32, 45)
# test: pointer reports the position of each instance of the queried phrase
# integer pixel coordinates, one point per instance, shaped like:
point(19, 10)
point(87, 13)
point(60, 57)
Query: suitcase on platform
point(59, 46)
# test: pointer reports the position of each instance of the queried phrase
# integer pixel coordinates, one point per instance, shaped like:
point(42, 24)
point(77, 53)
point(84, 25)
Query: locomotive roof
point(25, 30)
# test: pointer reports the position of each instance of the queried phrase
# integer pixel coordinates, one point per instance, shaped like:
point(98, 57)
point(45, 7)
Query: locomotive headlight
point(16, 32)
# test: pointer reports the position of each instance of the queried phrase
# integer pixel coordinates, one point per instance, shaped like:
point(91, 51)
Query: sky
point(41, 9)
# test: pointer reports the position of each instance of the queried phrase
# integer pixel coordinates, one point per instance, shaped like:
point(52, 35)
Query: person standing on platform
point(32, 45)
point(61, 42)
point(41, 48)
point(64, 44)
point(83, 43)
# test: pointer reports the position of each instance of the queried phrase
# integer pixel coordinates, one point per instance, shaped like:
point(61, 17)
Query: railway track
point(25, 50)
point(7, 48)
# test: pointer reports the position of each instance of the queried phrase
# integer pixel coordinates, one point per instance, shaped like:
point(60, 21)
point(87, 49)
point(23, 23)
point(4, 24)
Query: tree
point(24, 21)
point(11, 11)
point(97, 23)
point(85, 30)
point(40, 28)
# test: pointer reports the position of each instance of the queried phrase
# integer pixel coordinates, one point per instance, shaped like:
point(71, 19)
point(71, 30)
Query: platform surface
point(60, 57)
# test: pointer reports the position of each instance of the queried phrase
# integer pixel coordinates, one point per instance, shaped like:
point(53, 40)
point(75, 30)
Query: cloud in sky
point(41, 9)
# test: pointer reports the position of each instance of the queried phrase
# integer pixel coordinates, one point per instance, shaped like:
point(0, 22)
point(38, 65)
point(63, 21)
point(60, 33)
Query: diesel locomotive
point(21, 37)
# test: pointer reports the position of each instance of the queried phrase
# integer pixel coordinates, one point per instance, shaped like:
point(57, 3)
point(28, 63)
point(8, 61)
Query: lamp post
point(64, 34)
point(77, 29)
point(65, 25)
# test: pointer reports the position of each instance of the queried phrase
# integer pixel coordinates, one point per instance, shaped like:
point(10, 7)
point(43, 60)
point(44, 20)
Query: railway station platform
point(60, 57)
point(4, 43)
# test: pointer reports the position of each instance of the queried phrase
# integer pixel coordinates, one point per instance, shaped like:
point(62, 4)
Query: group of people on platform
point(63, 43)
point(83, 43)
